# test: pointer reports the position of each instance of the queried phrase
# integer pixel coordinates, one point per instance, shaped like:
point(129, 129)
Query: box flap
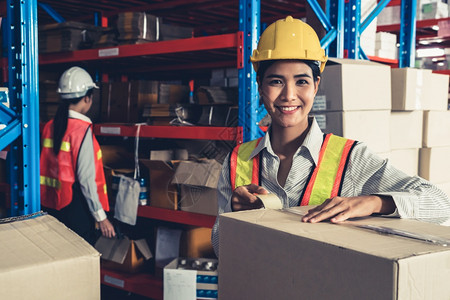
point(202, 173)
point(113, 249)
point(158, 164)
point(143, 248)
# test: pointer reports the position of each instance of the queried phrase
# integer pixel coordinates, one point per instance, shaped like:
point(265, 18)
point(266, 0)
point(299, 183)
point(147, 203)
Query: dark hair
point(60, 120)
point(265, 64)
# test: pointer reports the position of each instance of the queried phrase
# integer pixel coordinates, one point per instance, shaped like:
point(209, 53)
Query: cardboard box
point(163, 193)
point(436, 94)
point(198, 181)
point(42, 259)
point(186, 278)
point(436, 129)
point(124, 101)
point(123, 254)
point(371, 127)
point(409, 88)
point(406, 129)
point(434, 164)
point(343, 88)
point(406, 160)
point(196, 242)
point(270, 254)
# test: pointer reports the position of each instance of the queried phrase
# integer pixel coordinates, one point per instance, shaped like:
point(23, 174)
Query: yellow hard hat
point(289, 39)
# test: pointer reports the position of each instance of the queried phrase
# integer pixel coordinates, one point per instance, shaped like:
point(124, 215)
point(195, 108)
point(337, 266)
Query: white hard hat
point(74, 83)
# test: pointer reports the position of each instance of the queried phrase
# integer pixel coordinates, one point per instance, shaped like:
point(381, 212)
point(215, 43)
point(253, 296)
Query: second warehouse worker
point(73, 187)
point(301, 165)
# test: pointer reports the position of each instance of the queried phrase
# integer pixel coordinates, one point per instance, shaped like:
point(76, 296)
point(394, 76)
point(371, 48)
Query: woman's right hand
point(107, 228)
point(244, 198)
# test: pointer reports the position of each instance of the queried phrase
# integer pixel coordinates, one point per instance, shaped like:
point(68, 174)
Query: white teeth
point(288, 108)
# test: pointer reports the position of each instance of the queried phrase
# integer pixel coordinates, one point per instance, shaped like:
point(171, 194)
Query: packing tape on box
point(270, 201)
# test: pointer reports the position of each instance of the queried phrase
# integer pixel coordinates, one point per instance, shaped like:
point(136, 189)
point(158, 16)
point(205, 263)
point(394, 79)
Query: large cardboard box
point(434, 164)
point(406, 160)
point(409, 88)
point(371, 127)
point(270, 254)
point(163, 193)
point(406, 129)
point(41, 258)
point(343, 86)
point(198, 181)
point(123, 254)
point(436, 129)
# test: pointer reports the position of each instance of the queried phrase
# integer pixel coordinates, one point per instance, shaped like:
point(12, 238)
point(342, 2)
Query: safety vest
point(325, 180)
point(58, 173)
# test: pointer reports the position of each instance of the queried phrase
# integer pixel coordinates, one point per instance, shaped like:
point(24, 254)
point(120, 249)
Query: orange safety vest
point(325, 181)
point(58, 173)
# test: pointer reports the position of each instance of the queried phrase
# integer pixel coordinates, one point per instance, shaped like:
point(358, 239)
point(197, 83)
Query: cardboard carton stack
point(367, 38)
point(386, 45)
point(137, 27)
point(353, 105)
point(409, 93)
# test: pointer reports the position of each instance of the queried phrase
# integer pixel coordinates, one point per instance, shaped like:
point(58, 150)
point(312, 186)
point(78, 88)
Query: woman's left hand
point(339, 209)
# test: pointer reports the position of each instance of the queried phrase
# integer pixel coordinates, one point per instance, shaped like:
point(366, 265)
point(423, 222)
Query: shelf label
point(108, 52)
point(114, 281)
point(110, 130)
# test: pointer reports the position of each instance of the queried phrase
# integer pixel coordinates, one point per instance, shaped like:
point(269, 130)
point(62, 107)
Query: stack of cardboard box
point(356, 105)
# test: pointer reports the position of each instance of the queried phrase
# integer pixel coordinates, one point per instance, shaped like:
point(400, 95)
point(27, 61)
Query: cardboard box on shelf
point(406, 129)
point(406, 160)
point(261, 249)
point(187, 278)
point(409, 88)
point(342, 88)
point(371, 127)
point(163, 193)
point(196, 242)
point(124, 101)
point(123, 254)
point(436, 129)
point(42, 259)
point(434, 164)
point(198, 181)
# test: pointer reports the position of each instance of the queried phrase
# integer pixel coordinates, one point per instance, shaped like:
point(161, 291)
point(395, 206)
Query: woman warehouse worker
point(73, 187)
point(301, 165)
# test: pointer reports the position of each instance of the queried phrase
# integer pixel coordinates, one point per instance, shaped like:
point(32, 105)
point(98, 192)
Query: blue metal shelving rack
point(341, 21)
point(22, 119)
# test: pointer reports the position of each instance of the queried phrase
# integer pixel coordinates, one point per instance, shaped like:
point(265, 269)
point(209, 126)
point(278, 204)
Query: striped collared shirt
point(366, 174)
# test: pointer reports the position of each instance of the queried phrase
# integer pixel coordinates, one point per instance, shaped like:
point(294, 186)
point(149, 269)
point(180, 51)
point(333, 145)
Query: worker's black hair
point(60, 120)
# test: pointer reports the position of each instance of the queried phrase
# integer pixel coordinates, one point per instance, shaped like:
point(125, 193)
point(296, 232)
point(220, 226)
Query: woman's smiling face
point(288, 90)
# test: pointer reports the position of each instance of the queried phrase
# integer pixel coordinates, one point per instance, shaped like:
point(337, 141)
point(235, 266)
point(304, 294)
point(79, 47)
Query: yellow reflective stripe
point(48, 143)
point(65, 146)
point(99, 154)
point(51, 182)
point(244, 165)
point(105, 190)
point(327, 172)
